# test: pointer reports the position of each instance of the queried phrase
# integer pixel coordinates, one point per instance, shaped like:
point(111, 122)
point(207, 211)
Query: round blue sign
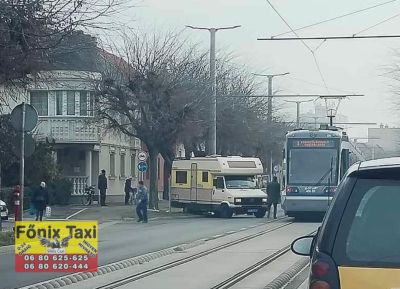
point(142, 166)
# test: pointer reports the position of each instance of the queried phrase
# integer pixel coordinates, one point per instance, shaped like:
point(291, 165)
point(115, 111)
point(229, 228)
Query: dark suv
point(358, 244)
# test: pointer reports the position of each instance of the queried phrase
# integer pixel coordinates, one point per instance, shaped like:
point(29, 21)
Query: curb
point(77, 277)
point(284, 278)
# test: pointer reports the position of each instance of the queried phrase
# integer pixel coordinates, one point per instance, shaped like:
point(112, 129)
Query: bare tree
point(32, 30)
point(153, 90)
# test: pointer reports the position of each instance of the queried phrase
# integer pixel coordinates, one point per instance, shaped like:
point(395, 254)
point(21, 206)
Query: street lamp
point(212, 134)
point(269, 112)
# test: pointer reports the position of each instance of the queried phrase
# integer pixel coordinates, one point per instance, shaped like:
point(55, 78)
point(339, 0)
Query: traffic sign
point(276, 169)
point(142, 167)
point(31, 117)
point(142, 156)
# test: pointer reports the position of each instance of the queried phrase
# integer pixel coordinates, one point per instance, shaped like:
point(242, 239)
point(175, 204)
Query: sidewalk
point(120, 212)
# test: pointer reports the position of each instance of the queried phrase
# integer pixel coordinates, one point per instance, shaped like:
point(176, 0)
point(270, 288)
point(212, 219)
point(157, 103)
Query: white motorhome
point(223, 185)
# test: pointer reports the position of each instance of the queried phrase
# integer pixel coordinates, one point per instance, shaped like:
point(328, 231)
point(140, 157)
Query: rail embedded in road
point(147, 273)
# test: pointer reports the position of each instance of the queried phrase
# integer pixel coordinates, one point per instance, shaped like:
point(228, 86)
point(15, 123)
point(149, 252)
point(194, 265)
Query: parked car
point(357, 245)
point(3, 210)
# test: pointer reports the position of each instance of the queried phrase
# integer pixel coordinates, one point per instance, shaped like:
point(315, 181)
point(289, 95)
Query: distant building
point(384, 141)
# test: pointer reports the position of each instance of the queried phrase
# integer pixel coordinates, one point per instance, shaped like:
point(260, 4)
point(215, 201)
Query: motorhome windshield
point(240, 182)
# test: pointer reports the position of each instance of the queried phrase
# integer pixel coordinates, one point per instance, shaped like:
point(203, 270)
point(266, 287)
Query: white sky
point(354, 66)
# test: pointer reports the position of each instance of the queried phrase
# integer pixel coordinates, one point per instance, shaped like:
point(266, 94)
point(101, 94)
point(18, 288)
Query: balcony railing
point(79, 184)
point(68, 129)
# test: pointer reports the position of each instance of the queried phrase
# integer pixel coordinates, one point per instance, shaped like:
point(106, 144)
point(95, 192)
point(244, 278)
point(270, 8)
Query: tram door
point(193, 182)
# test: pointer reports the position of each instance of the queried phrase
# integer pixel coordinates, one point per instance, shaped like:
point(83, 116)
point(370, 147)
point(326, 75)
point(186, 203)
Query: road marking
point(242, 229)
point(76, 213)
point(230, 232)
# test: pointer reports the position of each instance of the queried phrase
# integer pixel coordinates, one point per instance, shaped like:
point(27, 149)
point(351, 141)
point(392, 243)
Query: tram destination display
point(313, 143)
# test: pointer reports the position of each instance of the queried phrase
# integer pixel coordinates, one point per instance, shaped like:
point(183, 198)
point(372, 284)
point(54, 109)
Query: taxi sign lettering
point(60, 246)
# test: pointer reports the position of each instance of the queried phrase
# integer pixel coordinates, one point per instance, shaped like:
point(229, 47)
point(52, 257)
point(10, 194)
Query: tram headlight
point(264, 200)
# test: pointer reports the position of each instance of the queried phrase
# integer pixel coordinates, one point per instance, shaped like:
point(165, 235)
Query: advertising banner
point(56, 246)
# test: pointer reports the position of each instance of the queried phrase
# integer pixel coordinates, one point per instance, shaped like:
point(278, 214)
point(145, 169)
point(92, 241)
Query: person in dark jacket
point(128, 190)
point(274, 195)
point(40, 199)
point(141, 201)
point(102, 185)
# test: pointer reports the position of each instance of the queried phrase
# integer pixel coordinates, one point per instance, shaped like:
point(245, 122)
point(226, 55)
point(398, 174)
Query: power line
point(377, 24)
point(319, 85)
point(287, 24)
point(305, 44)
point(337, 17)
point(329, 37)
point(330, 96)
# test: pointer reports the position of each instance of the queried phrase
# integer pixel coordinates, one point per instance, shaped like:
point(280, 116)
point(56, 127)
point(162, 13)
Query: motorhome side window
point(204, 177)
point(219, 183)
point(181, 177)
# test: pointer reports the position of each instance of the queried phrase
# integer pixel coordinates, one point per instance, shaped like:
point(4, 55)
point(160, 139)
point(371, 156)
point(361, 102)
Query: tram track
point(170, 265)
point(231, 281)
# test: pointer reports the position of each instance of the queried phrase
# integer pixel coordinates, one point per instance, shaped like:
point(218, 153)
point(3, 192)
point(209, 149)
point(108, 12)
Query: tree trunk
point(167, 174)
point(153, 198)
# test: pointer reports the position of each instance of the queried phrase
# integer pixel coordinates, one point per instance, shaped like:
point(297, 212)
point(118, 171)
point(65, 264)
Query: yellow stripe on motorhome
point(369, 278)
point(174, 184)
point(204, 185)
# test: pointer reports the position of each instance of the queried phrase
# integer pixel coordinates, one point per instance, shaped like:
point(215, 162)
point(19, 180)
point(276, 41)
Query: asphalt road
point(119, 241)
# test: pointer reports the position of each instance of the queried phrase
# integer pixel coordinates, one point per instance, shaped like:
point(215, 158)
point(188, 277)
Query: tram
point(314, 163)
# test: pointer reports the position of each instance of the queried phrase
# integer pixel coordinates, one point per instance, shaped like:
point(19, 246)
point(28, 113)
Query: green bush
point(60, 191)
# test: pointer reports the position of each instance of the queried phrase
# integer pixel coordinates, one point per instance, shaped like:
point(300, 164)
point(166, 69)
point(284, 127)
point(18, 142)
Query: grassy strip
point(6, 238)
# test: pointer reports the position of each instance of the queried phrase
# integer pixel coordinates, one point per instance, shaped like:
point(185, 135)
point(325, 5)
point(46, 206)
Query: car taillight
point(292, 190)
point(320, 285)
point(320, 269)
point(324, 273)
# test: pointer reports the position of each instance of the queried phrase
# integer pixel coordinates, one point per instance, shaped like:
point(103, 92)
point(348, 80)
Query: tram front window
point(313, 167)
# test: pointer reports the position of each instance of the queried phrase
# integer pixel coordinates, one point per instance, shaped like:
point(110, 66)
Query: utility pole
point(212, 133)
point(269, 112)
point(298, 102)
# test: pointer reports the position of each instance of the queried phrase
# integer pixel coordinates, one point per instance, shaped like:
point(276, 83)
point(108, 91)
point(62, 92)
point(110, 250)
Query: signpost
point(142, 167)
point(142, 156)
point(24, 118)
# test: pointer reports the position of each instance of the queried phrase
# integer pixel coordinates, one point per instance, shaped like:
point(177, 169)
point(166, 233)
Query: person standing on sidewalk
point(40, 199)
point(142, 200)
point(128, 190)
point(102, 185)
point(274, 195)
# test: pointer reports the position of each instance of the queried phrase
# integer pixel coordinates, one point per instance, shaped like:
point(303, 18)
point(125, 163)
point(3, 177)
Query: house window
point(112, 164)
point(39, 100)
point(181, 177)
point(59, 102)
point(70, 102)
point(91, 103)
point(204, 177)
point(83, 103)
point(122, 165)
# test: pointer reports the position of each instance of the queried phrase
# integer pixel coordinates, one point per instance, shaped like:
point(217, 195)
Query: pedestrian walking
point(102, 185)
point(274, 195)
point(128, 190)
point(142, 200)
point(40, 199)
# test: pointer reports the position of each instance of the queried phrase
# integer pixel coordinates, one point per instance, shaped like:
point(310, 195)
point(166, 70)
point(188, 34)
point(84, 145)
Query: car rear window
point(369, 233)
